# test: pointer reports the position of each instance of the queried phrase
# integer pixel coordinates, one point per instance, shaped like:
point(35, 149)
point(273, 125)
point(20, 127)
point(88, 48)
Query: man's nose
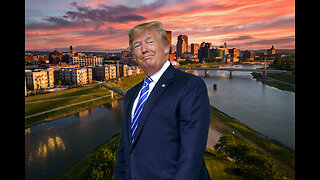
point(144, 48)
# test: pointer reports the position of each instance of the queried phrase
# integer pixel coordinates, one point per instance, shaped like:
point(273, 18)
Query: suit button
point(132, 155)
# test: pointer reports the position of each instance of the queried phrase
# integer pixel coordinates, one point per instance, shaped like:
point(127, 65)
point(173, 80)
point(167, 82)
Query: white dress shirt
point(155, 78)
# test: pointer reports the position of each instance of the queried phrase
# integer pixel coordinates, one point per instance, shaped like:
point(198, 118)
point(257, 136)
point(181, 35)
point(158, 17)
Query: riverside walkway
point(55, 109)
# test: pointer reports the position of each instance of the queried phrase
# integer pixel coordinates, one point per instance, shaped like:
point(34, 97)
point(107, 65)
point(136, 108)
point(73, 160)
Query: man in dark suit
point(165, 117)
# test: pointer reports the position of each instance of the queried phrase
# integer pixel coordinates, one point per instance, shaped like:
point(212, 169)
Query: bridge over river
point(207, 69)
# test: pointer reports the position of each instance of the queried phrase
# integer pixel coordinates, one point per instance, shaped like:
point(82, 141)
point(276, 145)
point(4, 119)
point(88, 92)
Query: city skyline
point(102, 25)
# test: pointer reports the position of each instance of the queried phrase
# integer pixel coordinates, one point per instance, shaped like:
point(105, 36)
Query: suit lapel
point(158, 89)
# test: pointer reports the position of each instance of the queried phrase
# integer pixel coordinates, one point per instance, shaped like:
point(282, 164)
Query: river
point(55, 145)
point(266, 109)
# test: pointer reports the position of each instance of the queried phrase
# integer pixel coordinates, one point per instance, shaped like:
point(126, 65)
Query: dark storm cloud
point(103, 13)
point(91, 17)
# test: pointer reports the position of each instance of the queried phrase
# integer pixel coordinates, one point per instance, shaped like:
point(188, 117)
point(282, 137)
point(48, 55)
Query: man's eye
point(137, 46)
point(150, 42)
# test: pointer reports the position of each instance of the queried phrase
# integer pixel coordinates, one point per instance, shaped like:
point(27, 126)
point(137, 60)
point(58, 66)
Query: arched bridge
point(207, 69)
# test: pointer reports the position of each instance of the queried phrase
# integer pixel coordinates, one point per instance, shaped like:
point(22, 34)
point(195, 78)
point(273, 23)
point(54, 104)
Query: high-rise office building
point(169, 36)
point(194, 49)
point(234, 54)
point(182, 45)
point(203, 51)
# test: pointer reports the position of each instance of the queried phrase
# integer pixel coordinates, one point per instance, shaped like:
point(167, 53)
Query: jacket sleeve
point(194, 118)
point(119, 171)
point(119, 168)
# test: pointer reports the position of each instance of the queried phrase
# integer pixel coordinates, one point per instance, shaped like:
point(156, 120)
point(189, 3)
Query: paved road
point(213, 137)
point(70, 97)
point(281, 81)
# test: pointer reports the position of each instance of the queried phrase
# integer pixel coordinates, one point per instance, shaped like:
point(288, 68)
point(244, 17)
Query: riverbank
point(284, 156)
point(284, 81)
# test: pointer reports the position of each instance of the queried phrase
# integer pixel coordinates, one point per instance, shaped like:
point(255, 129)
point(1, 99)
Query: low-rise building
point(79, 76)
point(129, 71)
point(101, 73)
point(123, 70)
point(112, 71)
point(86, 61)
point(248, 55)
point(39, 79)
point(71, 75)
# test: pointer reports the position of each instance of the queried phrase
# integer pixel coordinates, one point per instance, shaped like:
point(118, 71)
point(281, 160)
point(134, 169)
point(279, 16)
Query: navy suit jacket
point(172, 131)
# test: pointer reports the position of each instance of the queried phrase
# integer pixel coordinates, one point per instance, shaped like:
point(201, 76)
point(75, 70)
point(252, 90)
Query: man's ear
point(166, 50)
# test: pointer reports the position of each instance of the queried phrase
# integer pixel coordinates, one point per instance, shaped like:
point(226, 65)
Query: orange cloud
point(255, 24)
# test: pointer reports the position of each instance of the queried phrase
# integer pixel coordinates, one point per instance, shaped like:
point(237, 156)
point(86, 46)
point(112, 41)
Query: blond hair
point(154, 25)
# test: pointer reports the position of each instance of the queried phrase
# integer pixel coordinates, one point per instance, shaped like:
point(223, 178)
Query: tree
point(103, 164)
point(59, 82)
point(225, 144)
point(240, 150)
point(259, 165)
point(251, 162)
point(284, 63)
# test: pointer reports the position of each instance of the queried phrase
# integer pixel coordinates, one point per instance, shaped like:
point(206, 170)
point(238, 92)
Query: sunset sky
point(102, 25)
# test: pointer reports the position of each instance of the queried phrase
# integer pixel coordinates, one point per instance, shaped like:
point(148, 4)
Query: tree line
point(252, 163)
point(284, 63)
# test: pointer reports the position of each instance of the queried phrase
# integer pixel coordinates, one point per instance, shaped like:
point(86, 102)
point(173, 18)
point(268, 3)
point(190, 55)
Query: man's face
point(149, 51)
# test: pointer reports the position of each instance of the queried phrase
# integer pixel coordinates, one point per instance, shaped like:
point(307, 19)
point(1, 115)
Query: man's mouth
point(147, 57)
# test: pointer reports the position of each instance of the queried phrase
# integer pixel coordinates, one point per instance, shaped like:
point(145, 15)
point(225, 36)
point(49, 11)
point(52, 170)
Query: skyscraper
point(194, 49)
point(182, 45)
point(203, 51)
point(170, 41)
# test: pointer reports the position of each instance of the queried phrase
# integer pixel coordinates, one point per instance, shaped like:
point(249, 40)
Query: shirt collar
point(156, 76)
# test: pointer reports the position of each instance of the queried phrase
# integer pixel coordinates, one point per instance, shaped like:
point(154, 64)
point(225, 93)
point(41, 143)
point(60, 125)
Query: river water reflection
point(54, 146)
point(265, 109)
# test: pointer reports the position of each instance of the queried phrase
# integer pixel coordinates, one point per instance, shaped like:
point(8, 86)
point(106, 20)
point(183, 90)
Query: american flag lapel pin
point(163, 85)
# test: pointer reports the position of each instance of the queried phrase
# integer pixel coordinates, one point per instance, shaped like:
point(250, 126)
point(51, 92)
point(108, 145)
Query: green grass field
point(128, 82)
point(44, 102)
point(284, 77)
point(219, 168)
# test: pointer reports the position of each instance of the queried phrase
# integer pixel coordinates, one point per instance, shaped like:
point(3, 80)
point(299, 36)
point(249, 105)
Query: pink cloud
point(97, 23)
